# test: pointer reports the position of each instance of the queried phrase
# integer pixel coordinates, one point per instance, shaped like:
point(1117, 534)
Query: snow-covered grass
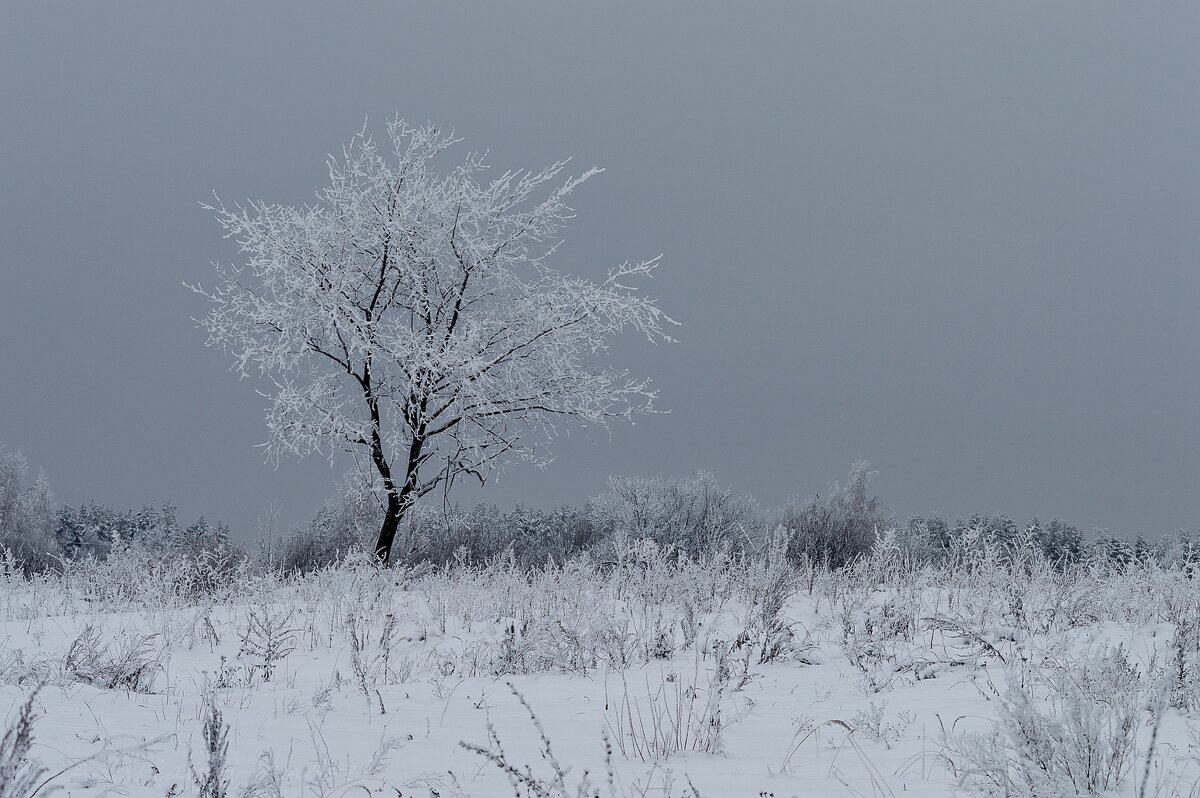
point(649, 675)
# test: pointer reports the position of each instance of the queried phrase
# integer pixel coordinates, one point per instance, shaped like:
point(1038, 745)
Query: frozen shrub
point(204, 557)
point(840, 527)
point(532, 537)
point(672, 718)
point(557, 782)
point(19, 776)
point(536, 536)
point(1181, 669)
point(954, 543)
point(770, 582)
point(1067, 732)
point(695, 515)
point(130, 663)
point(213, 782)
point(922, 540)
point(307, 549)
point(343, 526)
point(872, 723)
point(934, 532)
point(268, 638)
point(138, 572)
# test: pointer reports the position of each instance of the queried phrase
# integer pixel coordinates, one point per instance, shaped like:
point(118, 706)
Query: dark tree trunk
point(391, 522)
point(399, 501)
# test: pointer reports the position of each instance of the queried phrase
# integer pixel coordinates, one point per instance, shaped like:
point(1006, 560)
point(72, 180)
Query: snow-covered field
point(651, 676)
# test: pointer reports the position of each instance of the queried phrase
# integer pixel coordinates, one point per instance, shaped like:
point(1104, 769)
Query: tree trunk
point(387, 532)
point(399, 501)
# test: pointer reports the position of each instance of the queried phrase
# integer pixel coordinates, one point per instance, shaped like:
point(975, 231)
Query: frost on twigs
point(411, 313)
point(1065, 730)
point(558, 781)
point(268, 638)
point(213, 782)
point(20, 776)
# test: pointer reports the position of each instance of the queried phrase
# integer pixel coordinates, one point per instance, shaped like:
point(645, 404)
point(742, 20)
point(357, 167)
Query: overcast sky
point(959, 239)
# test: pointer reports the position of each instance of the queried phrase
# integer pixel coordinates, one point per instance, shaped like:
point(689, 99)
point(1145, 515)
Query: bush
point(19, 776)
point(129, 663)
point(695, 515)
point(1067, 732)
point(343, 526)
point(532, 537)
point(839, 528)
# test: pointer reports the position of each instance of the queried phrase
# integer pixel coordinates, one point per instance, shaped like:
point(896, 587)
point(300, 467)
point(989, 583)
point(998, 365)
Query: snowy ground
point(722, 679)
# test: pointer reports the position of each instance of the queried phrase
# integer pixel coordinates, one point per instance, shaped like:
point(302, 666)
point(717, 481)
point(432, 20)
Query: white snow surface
point(876, 671)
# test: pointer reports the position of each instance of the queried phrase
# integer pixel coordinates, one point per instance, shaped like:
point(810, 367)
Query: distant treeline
point(695, 516)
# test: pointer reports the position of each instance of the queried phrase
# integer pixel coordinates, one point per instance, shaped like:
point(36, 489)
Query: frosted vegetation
point(412, 317)
point(671, 637)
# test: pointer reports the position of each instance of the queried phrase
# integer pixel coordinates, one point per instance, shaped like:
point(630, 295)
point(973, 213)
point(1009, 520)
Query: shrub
point(556, 783)
point(695, 515)
point(214, 781)
point(268, 638)
point(343, 526)
point(672, 718)
point(130, 663)
point(1072, 737)
point(839, 528)
point(19, 776)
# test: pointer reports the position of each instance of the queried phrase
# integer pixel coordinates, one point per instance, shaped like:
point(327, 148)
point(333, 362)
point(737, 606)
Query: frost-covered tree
point(1112, 549)
point(26, 513)
point(1059, 542)
point(411, 314)
point(93, 529)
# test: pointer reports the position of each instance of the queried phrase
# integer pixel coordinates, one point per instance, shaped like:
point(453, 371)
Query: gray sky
point(957, 238)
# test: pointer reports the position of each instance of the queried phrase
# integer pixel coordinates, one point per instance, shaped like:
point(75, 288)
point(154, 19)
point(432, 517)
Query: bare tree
point(412, 314)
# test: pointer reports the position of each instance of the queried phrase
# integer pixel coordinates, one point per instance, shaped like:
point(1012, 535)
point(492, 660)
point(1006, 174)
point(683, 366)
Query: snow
point(445, 666)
